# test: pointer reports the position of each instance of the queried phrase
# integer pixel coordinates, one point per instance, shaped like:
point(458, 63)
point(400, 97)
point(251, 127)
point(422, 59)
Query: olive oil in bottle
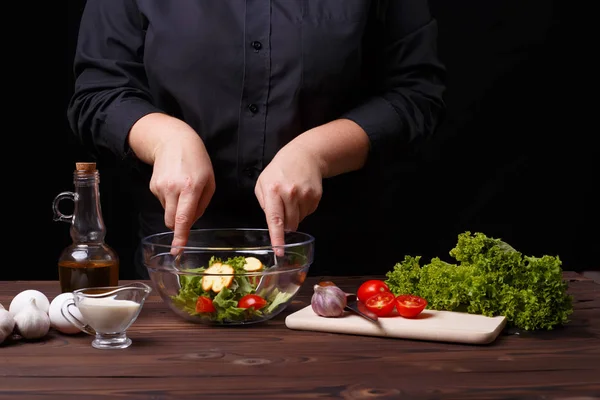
point(88, 261)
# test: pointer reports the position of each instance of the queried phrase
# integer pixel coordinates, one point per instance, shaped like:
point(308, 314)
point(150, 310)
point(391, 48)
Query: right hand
point(182, 178)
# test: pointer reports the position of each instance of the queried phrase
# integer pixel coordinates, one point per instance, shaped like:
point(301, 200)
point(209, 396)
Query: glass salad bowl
point(228, 276)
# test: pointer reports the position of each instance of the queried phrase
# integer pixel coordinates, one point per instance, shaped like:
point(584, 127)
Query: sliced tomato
point(371, 288)
point(409, 306)
point(252, 301)
point(204, 305)
point(382, 304)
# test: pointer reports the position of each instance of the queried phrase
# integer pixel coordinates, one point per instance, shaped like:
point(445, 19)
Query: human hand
point(289, 189)
point(183, 181)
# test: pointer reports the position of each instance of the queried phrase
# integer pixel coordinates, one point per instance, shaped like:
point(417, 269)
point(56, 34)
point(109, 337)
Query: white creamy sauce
point(108, 315)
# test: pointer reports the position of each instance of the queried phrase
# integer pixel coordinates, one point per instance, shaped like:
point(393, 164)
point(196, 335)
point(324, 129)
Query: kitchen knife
point(352, 304)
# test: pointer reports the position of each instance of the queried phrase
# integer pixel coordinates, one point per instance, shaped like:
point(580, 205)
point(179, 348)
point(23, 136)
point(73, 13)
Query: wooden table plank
point(174, 359)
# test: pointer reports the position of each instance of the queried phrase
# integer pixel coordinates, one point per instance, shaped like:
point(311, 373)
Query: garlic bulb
point(57, 319)
point(328, 301)
point(31, 322)
point(7, 324)
point(21, 300)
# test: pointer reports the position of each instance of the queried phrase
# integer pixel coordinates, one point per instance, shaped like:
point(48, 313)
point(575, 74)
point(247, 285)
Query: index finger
point(274, 213)
point(184, 217)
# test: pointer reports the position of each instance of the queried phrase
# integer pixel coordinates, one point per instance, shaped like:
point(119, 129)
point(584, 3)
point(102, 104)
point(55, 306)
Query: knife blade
point(352, 304)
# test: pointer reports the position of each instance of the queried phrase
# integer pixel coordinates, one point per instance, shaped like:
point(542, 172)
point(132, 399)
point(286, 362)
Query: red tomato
point(252, 300)
point(370, 288)
point(409, 306)
point(382, 304)
point(204, 305)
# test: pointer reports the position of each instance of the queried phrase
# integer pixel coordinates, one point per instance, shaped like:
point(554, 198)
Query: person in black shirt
point(232, 109)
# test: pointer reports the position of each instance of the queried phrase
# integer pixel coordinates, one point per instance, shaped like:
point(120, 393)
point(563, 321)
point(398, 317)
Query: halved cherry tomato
point(252, 300)
point(409, 306)
point(204, 305)
point(370, 288)
point(382, 304)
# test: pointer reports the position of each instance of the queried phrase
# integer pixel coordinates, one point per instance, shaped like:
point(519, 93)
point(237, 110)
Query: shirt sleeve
point(405, 100)
point(111, 91)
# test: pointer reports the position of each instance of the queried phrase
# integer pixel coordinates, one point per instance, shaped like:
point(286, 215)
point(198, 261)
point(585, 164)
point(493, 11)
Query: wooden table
point(174, 359)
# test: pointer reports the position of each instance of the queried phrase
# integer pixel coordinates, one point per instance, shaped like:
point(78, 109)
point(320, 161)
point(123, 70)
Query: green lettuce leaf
point(489, 278)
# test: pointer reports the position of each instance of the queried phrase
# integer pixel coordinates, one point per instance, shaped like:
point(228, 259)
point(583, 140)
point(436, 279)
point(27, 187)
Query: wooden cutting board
point(441, 326)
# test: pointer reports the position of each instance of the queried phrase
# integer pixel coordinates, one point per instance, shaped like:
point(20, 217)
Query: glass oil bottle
point(88, 261)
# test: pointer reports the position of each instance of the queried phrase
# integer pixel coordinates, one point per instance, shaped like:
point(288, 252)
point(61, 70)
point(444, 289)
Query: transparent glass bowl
point(228, 276)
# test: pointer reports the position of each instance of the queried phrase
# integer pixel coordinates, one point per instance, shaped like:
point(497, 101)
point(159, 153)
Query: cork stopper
point(86, 167)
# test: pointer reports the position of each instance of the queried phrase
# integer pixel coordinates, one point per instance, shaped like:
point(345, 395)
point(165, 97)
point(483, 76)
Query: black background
point(514, 157)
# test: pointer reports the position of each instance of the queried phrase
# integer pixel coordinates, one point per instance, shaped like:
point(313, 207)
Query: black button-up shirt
point(251, 75)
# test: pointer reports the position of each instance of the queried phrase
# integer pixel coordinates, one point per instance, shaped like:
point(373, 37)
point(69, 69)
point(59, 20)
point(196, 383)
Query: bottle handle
point(59, 216)
point(64, 310)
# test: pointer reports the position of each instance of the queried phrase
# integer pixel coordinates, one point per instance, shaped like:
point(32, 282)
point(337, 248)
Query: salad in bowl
point(228, 276)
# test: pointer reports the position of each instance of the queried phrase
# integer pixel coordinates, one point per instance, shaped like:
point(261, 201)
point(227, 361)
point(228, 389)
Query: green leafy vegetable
point(489, 278)
point(226, 300)
point(226, 305)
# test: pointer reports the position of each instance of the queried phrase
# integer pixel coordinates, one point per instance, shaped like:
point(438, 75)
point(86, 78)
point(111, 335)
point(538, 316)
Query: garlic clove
point(31, 322)
point(7, 324)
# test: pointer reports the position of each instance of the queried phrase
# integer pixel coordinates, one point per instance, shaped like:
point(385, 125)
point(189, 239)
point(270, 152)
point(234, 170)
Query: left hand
point(289, 189)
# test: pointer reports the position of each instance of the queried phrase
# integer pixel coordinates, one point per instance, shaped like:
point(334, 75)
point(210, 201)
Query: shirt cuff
point(121, 117)
point(383, 126)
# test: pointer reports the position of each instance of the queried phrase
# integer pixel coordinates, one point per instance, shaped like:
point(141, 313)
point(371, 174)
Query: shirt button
point(253, 108)
point(257, 45)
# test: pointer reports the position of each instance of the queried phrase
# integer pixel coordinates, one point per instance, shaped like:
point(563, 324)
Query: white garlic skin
point(31, 322)
point(21, 300)
point(57, 320)
point(7, 324)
